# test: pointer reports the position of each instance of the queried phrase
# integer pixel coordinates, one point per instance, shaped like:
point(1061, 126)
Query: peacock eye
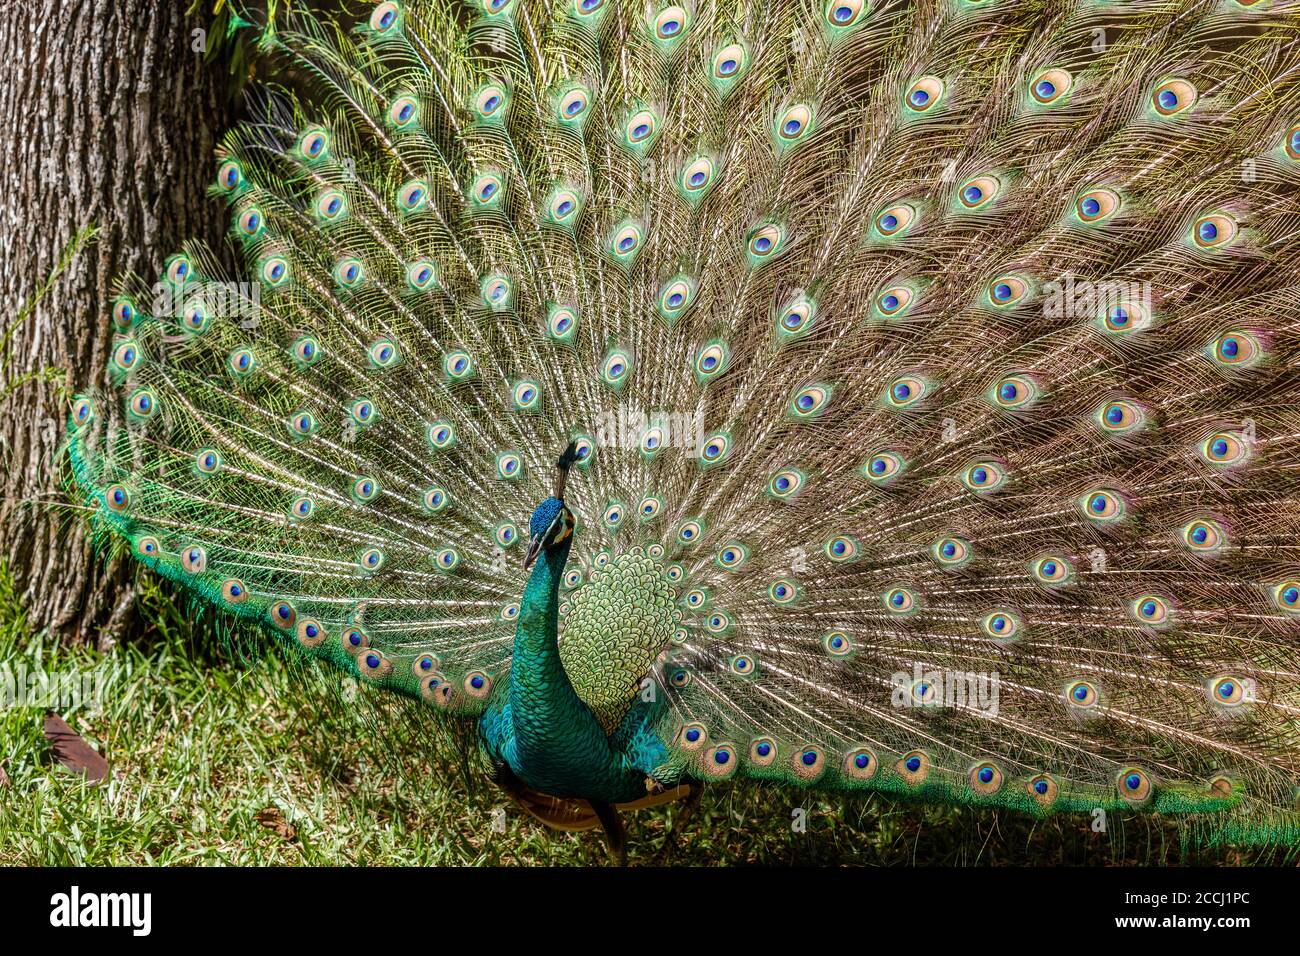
point(728, 65)
point(1081, 694)
point(1014, 391)
point(640, 129)
point(1102, 505)
point(783, 592)
point(793, 125)
point(230, 175)
point(894, 302)
point(842, 14)
point(883, 467)
point(331, 205)
point(1002, 625)
point(194, 559)
point(1287, 596)
point(1096, 205)
point(251, 222)
point(435, 499)
point(510, 467)
point(676, 296)
point(1006, 291)
point(924, 95)
point(1203, 536)
point(764, 243)
point(785, 484)
point(1134, 785)
point(404, 112)
point(1052, 569)
point(1151, 610)
point(671, 23)
point(1235, 350)
point(894, 221)
point(978, 192)
point(1050, 87)
point(732, 555)
point(1120, 417)
point(837, 644)
point(951, 552)
point(208, 461)
point(413, 195)
point(573, 106)
point(142, 404)
point(899, 601)
point(384, 17)
point(905, 391)
point(1225, 449)
point(275, 271)
point(490, 102)
point(1124, 317)
point(985, 778)
point(714, 449)
point(984, 477)
point(1213, 231)
point(1173, 97)
point(1228, 690)
point(809, 401)
point(841, 549)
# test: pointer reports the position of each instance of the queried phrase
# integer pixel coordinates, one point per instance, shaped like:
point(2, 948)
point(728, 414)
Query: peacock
point(880, 396)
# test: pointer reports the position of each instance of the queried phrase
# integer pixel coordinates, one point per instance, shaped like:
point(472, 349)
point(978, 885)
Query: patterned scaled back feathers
point(932, 367)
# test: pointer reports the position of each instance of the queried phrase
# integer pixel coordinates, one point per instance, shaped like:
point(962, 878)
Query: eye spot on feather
point(1052, 570)
point(124, 313)
point(310, 633)
point(142, 404)
point(900, 601)
point(978, 192)
point(178, 270)
point(1229, 690)
point(720, 761)
point(242, 362)
point(282, 615)
point(1203, 536)
point(984, 477)
point(1287, 596)
point(83, 412)
point(1236, 350)
point(841, 15)
point(1096, 205)
point(1051, 87)
point(1134, 785)
point(478, 685)
point(837, 644)
point(233, 591)
point(230, 175)
point(692, 737)
point(435, 499)
point(207, 461)
point(1081, 695)
point(860, 764)
point(1002, 625)
point(728, 66)
point(914, 767)
point(809, 402)
point(841, 549)
point(951, 552)
point(373, 664)
point(924, 95)
point(894, 221)
point(510, 612)
point(1103, 506)
point(1173, 97)
point(671, 24)
point(1225, 449)
point(510, 467)
point(446, 560)
point(793, 126)
point(1152, 610)
point(763, 752)
point(985, 778)
point(808, 762)
point(147, 547)
point(711, 361)
point(573, 106)
point(441, 435)
point(412, 196)
point(490, 102)
point(194, 559)
point(1043, 790)
point(893, 303)
point(385, 18)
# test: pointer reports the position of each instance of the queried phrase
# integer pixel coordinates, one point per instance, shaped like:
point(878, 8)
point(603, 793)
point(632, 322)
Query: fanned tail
point(942, 355)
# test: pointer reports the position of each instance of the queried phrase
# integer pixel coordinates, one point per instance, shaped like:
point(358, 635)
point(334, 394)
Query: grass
point(239, 756)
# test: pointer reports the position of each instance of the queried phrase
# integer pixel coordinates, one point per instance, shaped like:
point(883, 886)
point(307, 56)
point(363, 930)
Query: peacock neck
point(548, 717)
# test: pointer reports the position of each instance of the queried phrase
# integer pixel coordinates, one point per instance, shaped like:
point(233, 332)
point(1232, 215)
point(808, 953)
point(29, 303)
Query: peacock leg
point(615, 835)
point(689, 805)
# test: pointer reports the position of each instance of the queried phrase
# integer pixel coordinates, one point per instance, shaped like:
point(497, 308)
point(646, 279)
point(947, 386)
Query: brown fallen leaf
point(4, 778)
point(273, 819)
point(72, 751)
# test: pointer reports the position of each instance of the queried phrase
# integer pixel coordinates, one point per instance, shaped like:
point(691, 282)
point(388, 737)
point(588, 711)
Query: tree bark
point(108, 115)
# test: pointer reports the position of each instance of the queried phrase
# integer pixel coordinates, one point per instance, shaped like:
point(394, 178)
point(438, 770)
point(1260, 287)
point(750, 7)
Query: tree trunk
point(108, 115)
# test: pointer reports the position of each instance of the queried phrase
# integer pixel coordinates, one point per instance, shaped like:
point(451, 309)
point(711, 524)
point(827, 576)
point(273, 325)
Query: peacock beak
point(534, 549)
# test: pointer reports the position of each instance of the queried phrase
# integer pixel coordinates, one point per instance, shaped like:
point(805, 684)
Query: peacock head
point(551, 525)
